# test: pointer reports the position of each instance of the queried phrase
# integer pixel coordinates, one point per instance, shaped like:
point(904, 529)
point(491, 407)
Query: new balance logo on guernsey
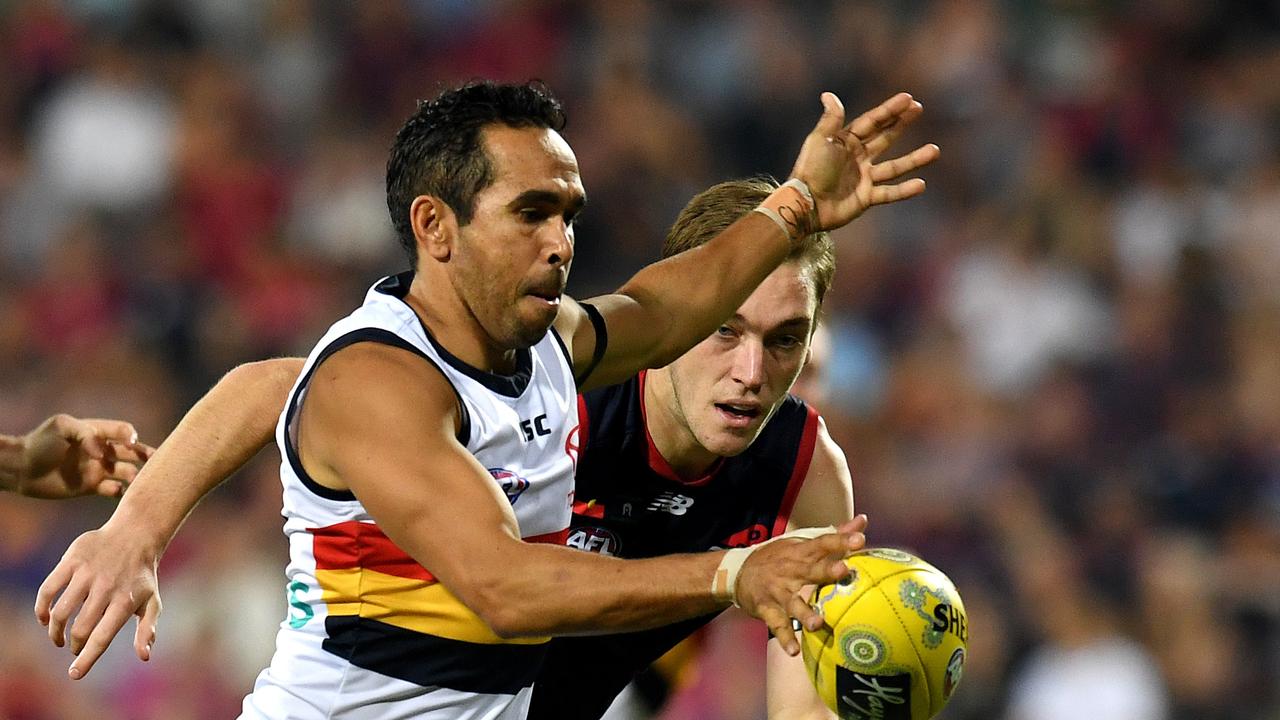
point(670, 502)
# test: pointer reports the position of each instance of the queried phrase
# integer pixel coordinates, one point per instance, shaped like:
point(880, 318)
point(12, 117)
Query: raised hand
point(67, 457)
point(770, 582)
point(838, 161)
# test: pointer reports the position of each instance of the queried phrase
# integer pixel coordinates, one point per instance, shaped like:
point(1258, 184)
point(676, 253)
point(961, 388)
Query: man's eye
point(531, 215)
point(725, 331)
point(787, 342)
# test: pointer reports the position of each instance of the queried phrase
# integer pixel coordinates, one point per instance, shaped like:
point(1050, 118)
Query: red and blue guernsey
point(630, 503)
point(371, 634)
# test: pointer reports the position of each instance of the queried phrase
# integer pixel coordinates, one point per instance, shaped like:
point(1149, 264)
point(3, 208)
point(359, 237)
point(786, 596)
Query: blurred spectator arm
point(67, 457)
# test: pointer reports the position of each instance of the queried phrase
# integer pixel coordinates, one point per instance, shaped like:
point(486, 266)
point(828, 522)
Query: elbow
point(505, 623)
point(496, 606)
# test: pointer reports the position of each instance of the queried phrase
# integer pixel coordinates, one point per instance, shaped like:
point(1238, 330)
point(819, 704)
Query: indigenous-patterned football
point(896, 639)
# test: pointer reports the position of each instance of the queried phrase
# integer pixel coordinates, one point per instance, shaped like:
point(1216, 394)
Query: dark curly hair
point(437, 151)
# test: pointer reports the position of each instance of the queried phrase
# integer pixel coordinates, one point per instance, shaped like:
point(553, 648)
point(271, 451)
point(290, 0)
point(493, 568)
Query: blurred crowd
point(1056, 374)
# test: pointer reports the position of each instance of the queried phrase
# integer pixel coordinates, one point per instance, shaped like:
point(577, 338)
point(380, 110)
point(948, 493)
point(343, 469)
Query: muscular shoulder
point(378, 380)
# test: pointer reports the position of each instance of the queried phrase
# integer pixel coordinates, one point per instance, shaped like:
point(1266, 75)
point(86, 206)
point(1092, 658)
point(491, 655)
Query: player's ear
point(435, 227)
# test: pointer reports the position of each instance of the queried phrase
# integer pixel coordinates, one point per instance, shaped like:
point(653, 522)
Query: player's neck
point(670, 435)
point(454, 327)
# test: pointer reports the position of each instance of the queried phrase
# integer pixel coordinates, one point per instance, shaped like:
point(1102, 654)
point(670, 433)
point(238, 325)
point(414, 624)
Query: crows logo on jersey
point(594, 539)
point(512, 484)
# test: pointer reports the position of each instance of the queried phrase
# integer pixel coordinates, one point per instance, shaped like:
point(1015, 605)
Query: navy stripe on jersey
point(373, 335)
point(602, 341)
point(432, 661)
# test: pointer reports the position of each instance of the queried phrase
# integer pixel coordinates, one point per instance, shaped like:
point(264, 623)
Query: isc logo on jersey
point(594, 539)
point(512, 484)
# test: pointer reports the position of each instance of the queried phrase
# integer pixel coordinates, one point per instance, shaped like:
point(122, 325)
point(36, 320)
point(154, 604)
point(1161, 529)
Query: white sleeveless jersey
point(371, 634)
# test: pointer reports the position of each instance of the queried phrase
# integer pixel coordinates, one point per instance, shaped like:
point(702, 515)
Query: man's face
point(512, 260)
point(728, 386)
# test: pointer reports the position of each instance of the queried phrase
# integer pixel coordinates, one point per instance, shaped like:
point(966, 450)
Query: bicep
point(790, 695)
point(383, 423)
point(826, 497)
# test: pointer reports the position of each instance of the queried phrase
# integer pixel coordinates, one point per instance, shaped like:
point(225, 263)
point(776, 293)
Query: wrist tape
point(724, 584)
point(791, 206)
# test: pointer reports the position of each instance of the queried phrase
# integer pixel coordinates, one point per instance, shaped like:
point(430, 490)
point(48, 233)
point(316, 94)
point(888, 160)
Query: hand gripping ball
point(894, 646)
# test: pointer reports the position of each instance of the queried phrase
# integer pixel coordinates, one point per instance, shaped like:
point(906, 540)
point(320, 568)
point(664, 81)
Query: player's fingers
point(95, 604)
point(802, 611)
point(116, 430)
point(914, 160)
point(881, 117)
point(72, 598)
point(110, 488)
point(882, 194)
point(143, 451)
point(780, 625)
point(78, 432)
point(53, 584)
point(96, 643)
point(120, 471)
point(857, 524)
point(888, 130)
point(839, 544)
point(832, 119)
point(135, 454)
point(144, 637)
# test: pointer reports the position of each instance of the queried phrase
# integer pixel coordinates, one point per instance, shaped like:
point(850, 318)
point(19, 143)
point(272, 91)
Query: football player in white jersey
point(492, 237)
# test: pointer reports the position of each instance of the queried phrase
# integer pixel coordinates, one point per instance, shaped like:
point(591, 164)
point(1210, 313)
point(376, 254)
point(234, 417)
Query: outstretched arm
point(670, 306)
point(221, 432)
point(376, 424)
point(825, 498)
point(67, 457)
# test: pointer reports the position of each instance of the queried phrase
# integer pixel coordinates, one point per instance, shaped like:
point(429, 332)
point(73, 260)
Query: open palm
point(838, 161)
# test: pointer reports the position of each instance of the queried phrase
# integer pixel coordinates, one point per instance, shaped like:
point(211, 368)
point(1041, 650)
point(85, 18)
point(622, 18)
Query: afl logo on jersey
point(512, 484)
point(593, 539)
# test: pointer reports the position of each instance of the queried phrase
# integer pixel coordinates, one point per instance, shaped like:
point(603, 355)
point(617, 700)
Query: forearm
point(221, 432)
point(11, 462)
point(685, 297)
point(789, 693)
point(564, 592)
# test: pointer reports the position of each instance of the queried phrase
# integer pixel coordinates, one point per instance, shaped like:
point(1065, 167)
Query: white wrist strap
point(802, 186)
point(789, 207)
point(724, 584)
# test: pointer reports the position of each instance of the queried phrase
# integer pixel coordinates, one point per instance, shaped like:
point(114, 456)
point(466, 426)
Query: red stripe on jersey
point(583, 424)
point(588, 509)
point(798, 472)
point(355, 544)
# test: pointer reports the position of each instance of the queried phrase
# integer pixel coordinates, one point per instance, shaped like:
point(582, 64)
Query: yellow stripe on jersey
point(408, 603)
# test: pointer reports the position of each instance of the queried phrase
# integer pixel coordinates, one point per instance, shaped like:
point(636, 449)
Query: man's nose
point(560, 243)
point(748, 363)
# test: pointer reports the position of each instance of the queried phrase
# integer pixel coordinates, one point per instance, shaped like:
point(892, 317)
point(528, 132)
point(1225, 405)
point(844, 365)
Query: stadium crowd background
point(1056, 374)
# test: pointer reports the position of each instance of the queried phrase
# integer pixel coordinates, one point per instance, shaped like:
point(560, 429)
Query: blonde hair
point(721, 205)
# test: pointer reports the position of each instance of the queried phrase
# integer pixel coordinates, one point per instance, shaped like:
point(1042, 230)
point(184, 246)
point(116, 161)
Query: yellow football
point(894, 646)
